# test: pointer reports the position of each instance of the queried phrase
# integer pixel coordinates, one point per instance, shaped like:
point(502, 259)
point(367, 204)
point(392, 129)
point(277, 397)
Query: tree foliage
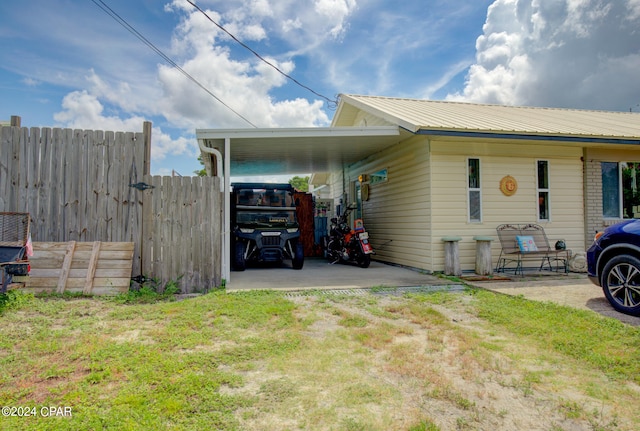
point(299, 183)
point(201, 172)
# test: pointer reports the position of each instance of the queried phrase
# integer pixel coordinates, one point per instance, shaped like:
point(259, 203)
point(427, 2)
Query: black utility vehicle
point(265, 226)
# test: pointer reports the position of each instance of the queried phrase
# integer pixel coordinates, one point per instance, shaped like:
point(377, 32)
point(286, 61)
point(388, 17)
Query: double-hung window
point(474, 192)
point(543, 190)
point(620, 189)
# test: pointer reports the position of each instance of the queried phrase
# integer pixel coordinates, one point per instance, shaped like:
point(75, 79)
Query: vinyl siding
point(397, 212)
point(364, 119)
point(450, 204)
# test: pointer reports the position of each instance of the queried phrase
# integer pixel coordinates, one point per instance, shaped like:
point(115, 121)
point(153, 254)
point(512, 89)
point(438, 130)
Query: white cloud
point(634, 9)
point(567, 53)
point(30, 82)
point(82, 110)
point(243, 85)
point(201, 49)
point(335, 11)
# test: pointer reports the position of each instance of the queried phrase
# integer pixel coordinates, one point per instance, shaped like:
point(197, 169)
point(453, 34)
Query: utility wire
point(332, 103)
point(157, 50)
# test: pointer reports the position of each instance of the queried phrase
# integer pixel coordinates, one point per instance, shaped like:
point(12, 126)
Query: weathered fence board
point(76, 184)
point(182, 230)
point(76, 267)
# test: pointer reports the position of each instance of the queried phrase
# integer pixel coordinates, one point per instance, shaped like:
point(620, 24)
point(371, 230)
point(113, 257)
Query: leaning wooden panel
point(97, 268)
point(91, 270)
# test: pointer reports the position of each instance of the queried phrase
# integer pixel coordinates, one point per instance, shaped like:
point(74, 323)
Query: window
point(475, 202)
point(620, 194)
point(543, 190)
point(610, 190)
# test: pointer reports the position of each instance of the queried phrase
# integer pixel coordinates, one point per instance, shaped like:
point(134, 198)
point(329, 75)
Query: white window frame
point(474, 189)
point(543, 190)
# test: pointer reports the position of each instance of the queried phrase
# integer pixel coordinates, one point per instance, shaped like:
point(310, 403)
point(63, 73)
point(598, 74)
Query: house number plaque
point(508, 185)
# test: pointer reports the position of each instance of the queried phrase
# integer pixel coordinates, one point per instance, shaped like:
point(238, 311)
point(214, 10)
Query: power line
point(332, 103)
point(157, 50)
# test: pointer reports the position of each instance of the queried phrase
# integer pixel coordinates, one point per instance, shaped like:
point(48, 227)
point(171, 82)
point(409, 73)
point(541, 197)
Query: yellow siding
point(397, 212)
point(335, 182)
point(449, 195)
point(425, 197)
point(364, 119)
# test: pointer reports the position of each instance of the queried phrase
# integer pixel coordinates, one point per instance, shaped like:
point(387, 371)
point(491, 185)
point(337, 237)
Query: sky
point(67, 63)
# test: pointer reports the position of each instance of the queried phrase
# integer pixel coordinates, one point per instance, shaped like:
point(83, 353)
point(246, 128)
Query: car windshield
point(264, 207)
point(264, 198)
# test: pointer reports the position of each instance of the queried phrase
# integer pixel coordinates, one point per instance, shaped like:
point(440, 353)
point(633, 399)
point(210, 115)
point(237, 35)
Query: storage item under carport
point(14, 238)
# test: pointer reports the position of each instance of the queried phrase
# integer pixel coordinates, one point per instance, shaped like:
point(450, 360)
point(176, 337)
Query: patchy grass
point(607, 344)
point(439, 361)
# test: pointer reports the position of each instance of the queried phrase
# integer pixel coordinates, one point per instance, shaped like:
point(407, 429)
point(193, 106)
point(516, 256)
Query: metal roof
point(298, 150)
point(422, 115)
point(324, 149)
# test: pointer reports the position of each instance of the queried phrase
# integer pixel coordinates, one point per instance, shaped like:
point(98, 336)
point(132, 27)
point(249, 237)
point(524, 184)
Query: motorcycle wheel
point(364, 260)
point(330, 252)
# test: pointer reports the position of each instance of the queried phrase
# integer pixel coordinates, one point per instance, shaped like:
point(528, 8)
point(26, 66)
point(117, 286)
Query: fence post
point(146, 131)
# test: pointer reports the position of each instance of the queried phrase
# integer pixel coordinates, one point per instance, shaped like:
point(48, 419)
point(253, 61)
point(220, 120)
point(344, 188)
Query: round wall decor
point(508, 185)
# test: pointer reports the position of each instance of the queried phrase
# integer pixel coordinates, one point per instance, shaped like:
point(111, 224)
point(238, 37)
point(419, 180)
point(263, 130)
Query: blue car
point(614, 264)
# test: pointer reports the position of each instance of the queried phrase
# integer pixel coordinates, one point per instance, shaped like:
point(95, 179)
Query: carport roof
point(296, 150)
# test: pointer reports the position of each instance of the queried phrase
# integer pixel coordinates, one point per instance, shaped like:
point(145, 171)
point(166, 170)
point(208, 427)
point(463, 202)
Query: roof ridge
point(493, 105)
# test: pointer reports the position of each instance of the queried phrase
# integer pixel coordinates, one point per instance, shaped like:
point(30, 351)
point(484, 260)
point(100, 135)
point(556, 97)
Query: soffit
point(300, 150)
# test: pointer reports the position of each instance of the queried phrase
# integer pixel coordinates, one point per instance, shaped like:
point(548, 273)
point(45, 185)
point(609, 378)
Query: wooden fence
point(85, 186)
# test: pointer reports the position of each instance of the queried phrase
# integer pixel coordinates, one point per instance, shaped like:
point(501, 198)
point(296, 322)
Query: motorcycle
point(348, 245)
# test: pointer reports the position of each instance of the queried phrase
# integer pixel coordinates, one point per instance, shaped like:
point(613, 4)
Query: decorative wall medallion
point(508, 185)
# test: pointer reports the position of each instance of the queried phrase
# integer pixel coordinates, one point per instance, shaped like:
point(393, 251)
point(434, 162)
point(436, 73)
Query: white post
point(226, 234)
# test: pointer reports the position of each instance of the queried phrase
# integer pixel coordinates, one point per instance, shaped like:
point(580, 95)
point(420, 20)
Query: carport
point(252, 152)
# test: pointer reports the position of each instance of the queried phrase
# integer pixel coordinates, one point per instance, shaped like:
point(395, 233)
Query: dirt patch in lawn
point(388, 363)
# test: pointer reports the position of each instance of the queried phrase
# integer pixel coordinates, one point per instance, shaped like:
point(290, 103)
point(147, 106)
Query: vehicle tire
point(331, 251)
point(621, 284)
point(298, 259)
point(239, 262)
point(364, 260)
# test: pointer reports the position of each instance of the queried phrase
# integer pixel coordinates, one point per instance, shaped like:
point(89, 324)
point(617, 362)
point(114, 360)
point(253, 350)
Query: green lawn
point(267, 361)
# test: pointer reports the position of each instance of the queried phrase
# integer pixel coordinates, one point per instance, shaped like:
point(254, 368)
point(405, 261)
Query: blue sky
point(66, 63)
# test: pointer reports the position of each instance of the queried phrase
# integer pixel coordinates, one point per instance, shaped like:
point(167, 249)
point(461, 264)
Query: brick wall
point(593, 199)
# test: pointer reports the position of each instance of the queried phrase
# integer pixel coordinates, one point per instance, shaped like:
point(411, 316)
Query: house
point(422, 170)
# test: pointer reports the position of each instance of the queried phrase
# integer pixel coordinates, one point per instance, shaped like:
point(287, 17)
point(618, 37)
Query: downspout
point(224, 256)
point(218, 156)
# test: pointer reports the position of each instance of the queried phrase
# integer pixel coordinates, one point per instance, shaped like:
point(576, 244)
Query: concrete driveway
point(574, 290)
point(318, 274)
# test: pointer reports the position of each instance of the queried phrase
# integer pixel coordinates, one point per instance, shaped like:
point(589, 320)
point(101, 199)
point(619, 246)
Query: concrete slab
point(574, 290)
point(318, 274)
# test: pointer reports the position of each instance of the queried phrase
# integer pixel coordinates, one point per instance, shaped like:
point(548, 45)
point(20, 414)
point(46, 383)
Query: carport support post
point(226, 233)
point(451, 255)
